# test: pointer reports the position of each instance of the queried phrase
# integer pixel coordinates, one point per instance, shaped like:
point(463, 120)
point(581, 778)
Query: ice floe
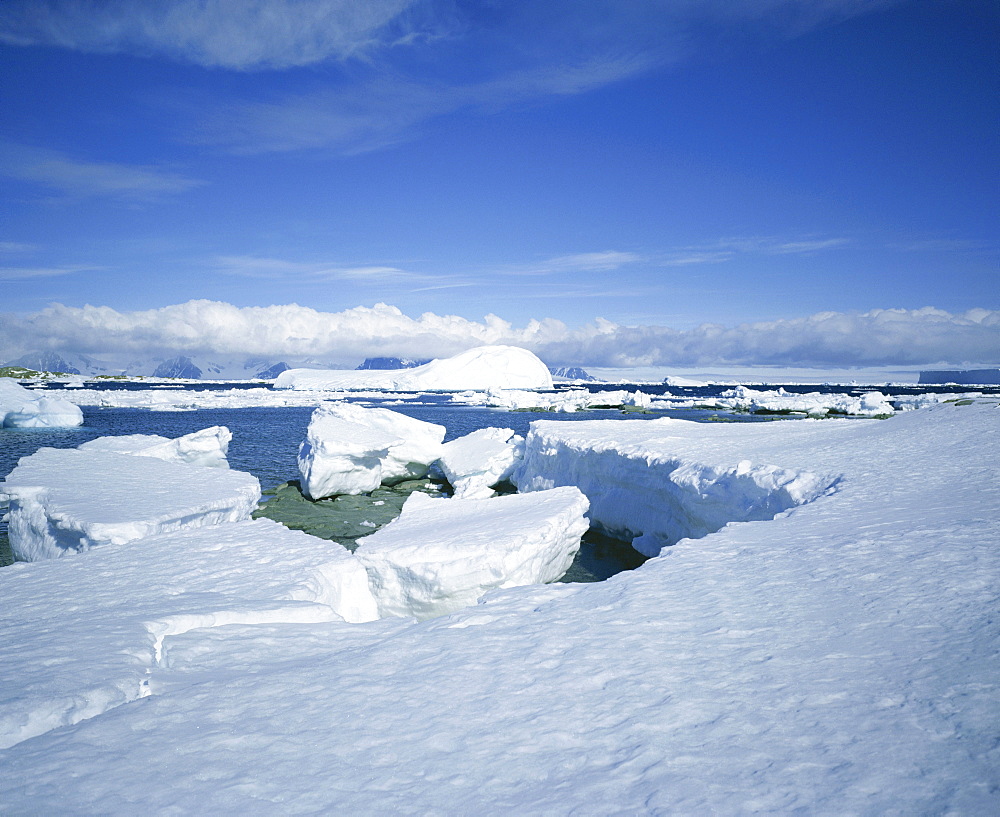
point(68, 500)
point(485, 367)
point(21, 408)
point(441, 555)
point(350, 449)
point(207, 447)
point(473, 464)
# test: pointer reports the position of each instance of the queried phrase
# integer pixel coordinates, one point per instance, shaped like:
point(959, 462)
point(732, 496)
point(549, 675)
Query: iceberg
point(68, 500)
point(207, 447)
point(473, 464)
point(440, 555)
point(350, 449)
point(19, 408)
point(485, 367)
point(120, 606)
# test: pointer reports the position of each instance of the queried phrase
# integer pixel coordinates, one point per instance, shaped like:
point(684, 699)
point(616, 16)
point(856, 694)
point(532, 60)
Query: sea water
point(266, 440)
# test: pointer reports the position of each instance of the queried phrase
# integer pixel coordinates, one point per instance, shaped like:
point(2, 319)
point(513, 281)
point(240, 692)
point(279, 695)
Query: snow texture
point(350, 449)
point(68, 500)
point(19, 408)
point(485, 367)
point(83, 635)
point(207, 447)
point(473, 464)
point(653, 481)
point(839, 659)
point(441, 555)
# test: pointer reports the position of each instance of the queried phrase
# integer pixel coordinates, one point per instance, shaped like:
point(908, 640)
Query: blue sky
point(652, 164)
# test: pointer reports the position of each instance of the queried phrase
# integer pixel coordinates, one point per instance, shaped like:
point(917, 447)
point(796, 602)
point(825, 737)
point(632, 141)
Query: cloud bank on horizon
point(883, 337)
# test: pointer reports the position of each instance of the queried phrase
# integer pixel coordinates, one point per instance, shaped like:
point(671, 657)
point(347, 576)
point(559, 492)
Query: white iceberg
point(207, 447)
point(20, 408)
point(350, 449)
point(485, 367)
point(441, 555)
point(67, 500)
point(116, 610)
point(473, 464)
point(566, 400)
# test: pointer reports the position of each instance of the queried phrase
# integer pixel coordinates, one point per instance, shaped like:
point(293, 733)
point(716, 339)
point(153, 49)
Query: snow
point(485, 367)
point(68, 500)
point(659, 481)
point(84, 635)
point(20, 408)
point(207, 447)
point(440, 555)
point(350, 449)
point(840, 658)
point(473, 464)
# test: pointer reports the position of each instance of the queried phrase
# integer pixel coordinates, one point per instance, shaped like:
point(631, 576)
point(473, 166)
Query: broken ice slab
point(68, 500)
point(443, 554)
point(473, 464)
point(350, 449)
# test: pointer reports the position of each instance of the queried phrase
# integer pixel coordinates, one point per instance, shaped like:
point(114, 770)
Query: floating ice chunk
point(870, 404)
point(207, 447)
point(67, 500)
point(82, 635)
point(485, 367)
point(561, 401)
point(350, 449)
point(473, 464)
point(441, 555)
point(19, 408)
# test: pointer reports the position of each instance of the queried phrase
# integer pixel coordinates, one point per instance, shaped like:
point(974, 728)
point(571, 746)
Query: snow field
point(84, 635)
point(838, 659)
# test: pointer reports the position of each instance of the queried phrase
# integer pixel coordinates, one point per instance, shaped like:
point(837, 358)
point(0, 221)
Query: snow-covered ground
point(840, 658)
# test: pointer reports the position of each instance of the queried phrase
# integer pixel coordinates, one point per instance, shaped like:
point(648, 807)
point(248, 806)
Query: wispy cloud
point(27, 273)
point(243, 35)
point(606, 261)
point(727, 249)
point(83, 179)
point(16, 248)
point(251, 266)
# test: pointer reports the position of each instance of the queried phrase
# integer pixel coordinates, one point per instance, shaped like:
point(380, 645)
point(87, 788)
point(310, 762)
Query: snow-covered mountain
point(183, 366)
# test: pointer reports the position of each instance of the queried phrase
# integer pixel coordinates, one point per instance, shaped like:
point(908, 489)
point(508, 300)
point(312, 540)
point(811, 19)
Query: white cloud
point(252, 266)
point(234, 34)
point(26, 273)
point(881, 337)
point(606, 261)
point(81, 179)
point(15, 248)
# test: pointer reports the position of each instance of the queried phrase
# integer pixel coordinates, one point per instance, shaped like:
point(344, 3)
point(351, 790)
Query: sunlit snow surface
point(839, 658)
